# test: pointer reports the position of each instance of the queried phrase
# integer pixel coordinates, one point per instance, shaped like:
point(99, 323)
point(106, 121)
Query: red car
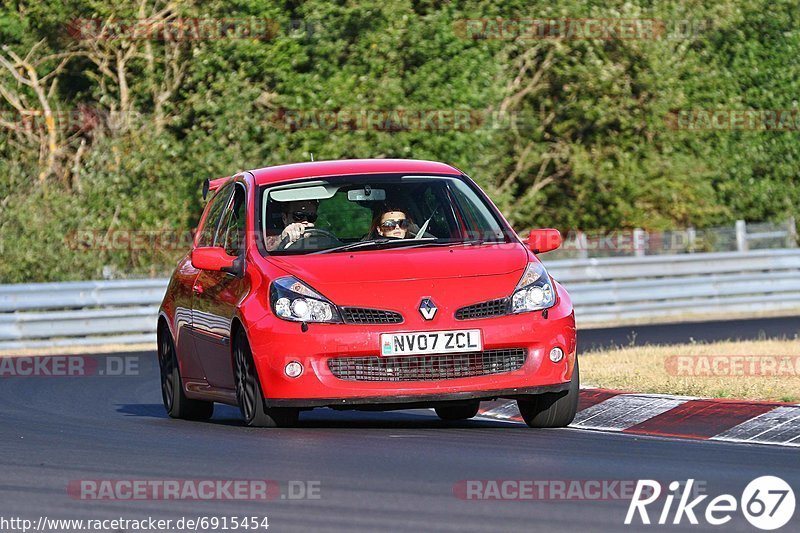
point(364, 284)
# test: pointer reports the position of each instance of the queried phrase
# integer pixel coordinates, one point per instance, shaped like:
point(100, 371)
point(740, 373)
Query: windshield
point(368, 212)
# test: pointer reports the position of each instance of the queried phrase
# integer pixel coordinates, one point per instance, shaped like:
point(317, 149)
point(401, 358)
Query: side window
point(215, 211)
point(231, 230)
point(480, 222)
point(435, 204)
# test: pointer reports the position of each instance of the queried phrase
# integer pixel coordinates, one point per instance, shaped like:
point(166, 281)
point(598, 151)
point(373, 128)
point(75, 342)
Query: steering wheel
point(286, 243)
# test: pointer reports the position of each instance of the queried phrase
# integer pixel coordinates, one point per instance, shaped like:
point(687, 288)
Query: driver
point(296, 216)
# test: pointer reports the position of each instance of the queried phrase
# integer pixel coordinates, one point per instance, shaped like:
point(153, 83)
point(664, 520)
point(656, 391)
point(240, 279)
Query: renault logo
point(427, 308)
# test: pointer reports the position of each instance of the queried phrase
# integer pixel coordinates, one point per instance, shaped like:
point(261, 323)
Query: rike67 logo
point(767, 503)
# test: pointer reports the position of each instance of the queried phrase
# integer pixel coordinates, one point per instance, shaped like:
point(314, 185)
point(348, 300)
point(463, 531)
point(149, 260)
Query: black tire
point(172, 394)
point(249, 393)
point(552, 409)
point(460, 411)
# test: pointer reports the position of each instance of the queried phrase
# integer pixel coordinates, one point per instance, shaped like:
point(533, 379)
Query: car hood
point(468, 273)
point(458, 261)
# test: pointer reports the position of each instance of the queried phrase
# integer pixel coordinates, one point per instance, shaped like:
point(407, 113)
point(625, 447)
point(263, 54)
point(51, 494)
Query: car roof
point(343, 167)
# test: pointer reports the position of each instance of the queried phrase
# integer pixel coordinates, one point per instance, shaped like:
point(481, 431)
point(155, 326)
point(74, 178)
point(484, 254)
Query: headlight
point(291, 299)
point(534, 291)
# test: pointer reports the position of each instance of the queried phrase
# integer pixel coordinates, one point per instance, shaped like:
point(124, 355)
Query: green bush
point(569, 133)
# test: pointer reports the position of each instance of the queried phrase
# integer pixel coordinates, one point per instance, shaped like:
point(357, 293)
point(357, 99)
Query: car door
point(182, 295)
point(186, 275)
point(217, 294)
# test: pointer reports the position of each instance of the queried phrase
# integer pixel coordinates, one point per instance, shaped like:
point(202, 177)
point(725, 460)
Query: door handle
point(198, 288)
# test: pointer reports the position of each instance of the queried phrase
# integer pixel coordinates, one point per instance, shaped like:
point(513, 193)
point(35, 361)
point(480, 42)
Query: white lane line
point(626, 410)
point(779, 426)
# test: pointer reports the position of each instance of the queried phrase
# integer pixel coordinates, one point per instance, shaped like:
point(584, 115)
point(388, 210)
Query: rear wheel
point(249, 393)
point(175, 401)
point(552, 409)
point(462, 411)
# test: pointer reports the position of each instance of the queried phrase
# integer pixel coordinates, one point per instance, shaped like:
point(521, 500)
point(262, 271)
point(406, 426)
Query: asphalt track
point(376, 471)
point(688, 332)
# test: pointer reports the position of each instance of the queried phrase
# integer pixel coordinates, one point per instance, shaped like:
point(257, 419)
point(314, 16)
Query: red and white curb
point(676, 416)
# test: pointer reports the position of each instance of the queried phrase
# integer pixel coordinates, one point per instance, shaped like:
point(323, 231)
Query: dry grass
point(78, 350)
point(653, 369)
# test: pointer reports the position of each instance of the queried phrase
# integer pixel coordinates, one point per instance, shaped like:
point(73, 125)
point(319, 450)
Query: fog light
point(293, 369)
point(556, 354)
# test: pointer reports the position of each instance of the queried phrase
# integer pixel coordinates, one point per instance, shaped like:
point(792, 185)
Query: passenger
point(393, 223)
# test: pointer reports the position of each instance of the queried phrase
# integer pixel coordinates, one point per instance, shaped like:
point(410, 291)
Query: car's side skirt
point(201, 390)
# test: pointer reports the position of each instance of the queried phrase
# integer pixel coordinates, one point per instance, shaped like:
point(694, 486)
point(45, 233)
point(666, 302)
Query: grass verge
point(100, 349)
point(750, 370)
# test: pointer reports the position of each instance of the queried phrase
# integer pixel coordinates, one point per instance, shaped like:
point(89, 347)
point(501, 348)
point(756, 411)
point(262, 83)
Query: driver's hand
point(295, 231)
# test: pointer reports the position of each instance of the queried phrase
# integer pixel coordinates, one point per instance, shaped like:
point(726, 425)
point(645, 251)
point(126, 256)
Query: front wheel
point(175, 401)
point(249, 394)
point(552, 409)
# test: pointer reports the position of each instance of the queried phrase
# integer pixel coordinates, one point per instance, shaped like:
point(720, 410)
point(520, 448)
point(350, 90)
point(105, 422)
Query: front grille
point(428, 367)
point(361, 315)
point(491, 308)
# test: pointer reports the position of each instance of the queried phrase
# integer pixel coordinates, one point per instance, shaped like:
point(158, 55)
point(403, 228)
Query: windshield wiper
point(379, 243)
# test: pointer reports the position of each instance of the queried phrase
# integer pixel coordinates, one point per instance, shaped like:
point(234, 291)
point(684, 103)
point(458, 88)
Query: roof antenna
point(312, 157)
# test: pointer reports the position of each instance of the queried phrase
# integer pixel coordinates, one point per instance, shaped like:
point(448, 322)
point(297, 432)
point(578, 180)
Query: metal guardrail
point(81, 294)
point(603, 289)
point(666, 287)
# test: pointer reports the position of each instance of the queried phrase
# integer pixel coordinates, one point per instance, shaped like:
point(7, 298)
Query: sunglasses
point(304, 216)
point(391, 224)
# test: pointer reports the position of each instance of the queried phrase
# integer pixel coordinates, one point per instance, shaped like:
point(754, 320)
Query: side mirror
point(215, 258)
point(544, 240)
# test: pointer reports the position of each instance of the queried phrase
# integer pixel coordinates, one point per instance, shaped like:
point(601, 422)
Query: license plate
point(431, 342)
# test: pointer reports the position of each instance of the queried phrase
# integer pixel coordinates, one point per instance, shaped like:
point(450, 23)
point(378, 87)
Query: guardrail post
point(791, 233)
point(639, 242)
point(583, 245)
point(741, 236)
point(691, 237)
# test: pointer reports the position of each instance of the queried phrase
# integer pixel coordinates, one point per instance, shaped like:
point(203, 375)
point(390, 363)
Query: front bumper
point(413, 401)
point(276, 342)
